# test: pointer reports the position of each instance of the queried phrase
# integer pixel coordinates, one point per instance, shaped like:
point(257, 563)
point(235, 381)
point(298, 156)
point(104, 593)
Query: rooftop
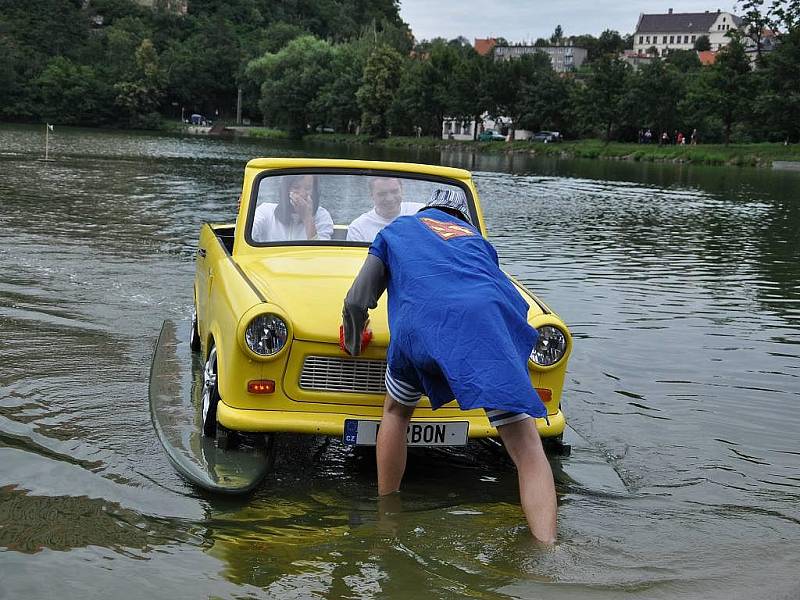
point(674, 22)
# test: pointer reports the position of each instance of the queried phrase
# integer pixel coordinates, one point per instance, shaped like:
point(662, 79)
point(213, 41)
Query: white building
point(679, 31)
point(563, 59)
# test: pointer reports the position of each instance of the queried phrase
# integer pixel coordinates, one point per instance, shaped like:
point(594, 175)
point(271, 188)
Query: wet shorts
point(408, 394)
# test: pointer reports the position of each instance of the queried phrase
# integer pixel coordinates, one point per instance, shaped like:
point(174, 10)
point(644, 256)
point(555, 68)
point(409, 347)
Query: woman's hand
point(302, 205)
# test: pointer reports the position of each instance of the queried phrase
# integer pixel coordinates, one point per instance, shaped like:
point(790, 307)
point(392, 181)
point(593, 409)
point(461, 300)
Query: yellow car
point(268, 305)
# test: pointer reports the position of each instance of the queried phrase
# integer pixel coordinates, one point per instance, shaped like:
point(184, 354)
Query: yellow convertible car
point(268, 296)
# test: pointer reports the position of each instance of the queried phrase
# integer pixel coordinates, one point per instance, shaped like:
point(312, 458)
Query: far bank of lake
point(740, 155)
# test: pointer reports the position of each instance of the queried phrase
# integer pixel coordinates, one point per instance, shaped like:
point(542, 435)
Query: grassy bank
point(756, 155)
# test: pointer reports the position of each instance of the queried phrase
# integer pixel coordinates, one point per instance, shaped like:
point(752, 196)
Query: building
point(636, 59)
point(679, 31)
point(564, 59)
point(484, 46)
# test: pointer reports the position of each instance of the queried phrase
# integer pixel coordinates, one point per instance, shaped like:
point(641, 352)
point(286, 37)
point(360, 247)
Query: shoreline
point(759, 155)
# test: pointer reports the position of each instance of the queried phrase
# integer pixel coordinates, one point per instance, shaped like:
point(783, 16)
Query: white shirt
point(367, 226)
point(267, 228)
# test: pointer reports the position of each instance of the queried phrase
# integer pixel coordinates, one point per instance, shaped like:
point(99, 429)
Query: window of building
point(664, 40)
point(641, 39)
point(672, 39)
point(694, 39)
point(686, 39)
point(723, 19)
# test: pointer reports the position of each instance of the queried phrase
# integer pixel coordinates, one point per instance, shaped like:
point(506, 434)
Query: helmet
point(453, 199)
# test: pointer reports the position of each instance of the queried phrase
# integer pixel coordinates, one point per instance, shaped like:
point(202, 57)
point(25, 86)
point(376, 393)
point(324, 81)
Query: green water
point(680, 285)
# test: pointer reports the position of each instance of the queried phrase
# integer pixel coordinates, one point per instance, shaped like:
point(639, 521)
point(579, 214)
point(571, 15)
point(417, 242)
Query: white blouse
point(267, 228)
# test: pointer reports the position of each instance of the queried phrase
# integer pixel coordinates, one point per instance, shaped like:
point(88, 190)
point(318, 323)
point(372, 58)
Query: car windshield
point(307, 207)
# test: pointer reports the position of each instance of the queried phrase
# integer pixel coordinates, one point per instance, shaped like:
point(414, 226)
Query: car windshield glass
point(335, 207)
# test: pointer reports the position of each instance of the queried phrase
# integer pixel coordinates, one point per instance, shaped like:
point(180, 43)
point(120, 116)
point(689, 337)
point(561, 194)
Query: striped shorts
point(408, 394)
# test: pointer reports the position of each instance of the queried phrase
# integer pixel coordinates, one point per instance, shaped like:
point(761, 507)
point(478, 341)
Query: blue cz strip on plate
point(350, 432)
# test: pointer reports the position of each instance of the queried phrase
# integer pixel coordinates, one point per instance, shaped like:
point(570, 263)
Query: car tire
point(194, 334)
point(210, 396)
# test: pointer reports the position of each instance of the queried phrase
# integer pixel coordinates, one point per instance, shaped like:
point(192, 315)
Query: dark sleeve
point(369, 285)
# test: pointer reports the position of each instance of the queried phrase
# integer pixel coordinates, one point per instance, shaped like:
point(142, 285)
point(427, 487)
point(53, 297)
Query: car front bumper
point(332, 423)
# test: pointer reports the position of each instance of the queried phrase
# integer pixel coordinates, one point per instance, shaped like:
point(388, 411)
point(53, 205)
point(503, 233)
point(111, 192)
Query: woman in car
point(297, 216)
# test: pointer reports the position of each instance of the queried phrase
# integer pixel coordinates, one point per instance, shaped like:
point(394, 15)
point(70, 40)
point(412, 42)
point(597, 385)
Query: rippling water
point(680, 286)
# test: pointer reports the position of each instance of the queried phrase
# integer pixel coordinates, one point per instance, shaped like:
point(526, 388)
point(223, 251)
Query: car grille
point(330, 374)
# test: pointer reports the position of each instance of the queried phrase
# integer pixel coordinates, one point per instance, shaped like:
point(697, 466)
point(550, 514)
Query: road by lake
point(681, 286)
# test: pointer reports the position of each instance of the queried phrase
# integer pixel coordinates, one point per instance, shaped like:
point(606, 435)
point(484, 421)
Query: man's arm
point(369, 285)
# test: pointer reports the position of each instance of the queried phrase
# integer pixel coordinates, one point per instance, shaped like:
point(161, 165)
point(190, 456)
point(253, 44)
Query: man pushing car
point(458, 330)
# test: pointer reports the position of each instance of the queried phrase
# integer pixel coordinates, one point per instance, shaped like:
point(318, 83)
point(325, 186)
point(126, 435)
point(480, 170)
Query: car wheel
point(210, 394)
point(194, 334)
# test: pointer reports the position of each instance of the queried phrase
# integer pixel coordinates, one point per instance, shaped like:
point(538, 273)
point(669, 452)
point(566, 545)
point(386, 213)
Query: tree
point(602, 100)
point(702, 43)
point(555, 39)
point(543, 103)
point(377, 92)
point(654, 93)
point(755, 22)
point(68, 93)
point(512, 81)
point(724, 90)
point(291, 80)
point(778, 105)
point(140, 97)
point(684, 60)
point(337, 101)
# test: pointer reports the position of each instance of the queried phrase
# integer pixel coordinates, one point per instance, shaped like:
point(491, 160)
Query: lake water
point(681, 286)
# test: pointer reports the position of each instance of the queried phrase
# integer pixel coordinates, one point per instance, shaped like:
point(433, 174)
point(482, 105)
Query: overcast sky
point(520, 20)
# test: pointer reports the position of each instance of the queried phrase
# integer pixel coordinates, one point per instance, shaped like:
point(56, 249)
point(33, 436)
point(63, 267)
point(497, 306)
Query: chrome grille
point(331, 374)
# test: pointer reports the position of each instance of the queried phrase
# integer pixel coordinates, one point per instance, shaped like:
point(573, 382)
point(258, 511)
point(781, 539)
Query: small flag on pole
point(50, 127)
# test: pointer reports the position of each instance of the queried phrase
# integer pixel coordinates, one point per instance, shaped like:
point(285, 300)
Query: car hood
point(310, 283)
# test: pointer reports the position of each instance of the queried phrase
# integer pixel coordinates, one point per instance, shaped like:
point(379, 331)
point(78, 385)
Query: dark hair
point(285, 208)
point(450, 211)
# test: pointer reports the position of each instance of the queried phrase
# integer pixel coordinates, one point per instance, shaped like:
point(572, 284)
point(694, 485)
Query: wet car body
point(267, 313)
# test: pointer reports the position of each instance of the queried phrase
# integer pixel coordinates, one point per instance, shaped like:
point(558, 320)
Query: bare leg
point(536, 487)
point(391, 445)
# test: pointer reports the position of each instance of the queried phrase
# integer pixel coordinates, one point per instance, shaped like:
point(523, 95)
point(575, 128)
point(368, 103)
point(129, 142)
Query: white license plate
point(359, 432)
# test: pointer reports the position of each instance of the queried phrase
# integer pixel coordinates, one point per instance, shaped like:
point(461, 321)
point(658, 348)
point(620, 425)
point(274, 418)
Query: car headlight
point(550, 347)
point(266, 334)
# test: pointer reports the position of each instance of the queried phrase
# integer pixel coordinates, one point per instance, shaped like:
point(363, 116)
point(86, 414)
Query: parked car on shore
point(267, 312)
point(490, 135)
point(548, 137)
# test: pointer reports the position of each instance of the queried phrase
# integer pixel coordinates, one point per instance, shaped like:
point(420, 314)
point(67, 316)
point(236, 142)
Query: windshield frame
point(252, 205)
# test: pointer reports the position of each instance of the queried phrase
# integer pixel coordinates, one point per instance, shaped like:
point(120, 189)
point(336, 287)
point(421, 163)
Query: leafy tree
point(702, 43)
point(684, 60)
point(755, 21)
point(543, 105)
point(140, 97)
point(290, 81)
point(69, 93)
point(378, 90)
point(653, 96)
point(557, 35)
point(724, 89)
point(512, 81)
point(337, 101)
point(541, 43)
point(779, 103)
point(602, 100)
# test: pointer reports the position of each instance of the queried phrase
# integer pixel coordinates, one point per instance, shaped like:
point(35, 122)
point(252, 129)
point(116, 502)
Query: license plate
point(359, 432)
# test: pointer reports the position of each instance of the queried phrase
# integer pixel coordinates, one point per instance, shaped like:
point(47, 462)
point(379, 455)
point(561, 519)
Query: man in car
point(458, 330)
point(387, 200)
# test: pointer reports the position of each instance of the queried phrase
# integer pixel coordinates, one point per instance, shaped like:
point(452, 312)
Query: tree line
point(352, 65)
